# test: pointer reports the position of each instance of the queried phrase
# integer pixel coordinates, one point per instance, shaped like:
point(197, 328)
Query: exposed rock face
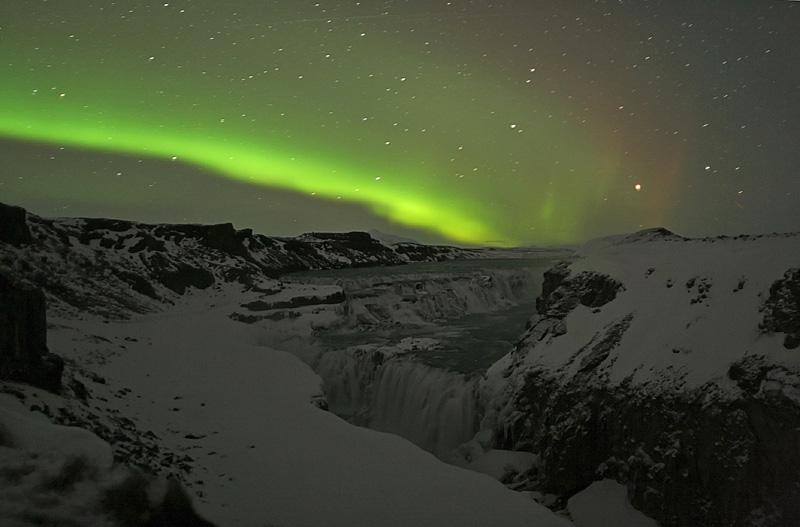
point(690, 459)
point(561, 293)
point(706, 454)
point(226, 239)
point(13, 226)
point(23, 338)
point(178, 276)
point(782, 308)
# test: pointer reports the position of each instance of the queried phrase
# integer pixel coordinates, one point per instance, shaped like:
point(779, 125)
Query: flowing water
point(467, 344)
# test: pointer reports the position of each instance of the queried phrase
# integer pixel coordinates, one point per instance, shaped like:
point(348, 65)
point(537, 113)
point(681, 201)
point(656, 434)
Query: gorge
point(649, 368)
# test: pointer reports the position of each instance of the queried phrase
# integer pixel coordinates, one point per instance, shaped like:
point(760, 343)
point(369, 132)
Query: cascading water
point(434, 408)
point(349, 378)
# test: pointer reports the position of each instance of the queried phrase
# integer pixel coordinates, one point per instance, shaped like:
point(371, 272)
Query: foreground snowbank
point(64, 476)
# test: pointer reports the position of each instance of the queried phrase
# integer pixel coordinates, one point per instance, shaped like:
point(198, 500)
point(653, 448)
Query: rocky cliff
point(115, 267)
point(23, 337)
point(666, 364)
point(14, 226)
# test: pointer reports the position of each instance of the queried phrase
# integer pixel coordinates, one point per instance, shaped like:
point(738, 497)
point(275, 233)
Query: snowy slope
point(695, 306)
point(605, 503)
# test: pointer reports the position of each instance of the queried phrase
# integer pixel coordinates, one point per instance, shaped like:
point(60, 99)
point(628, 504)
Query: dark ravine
point(688, 456)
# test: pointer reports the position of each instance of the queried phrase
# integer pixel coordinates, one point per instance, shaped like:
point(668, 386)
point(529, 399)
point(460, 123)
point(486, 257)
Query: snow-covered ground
point(263, 453)
point(605, 503)
point(695, 308)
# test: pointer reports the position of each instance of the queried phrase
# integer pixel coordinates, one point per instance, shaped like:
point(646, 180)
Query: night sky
point(507, 122)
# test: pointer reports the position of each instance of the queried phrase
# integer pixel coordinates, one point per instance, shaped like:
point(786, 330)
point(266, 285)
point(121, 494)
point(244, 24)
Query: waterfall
point(375, 383)
point(434, 408)
point(348, 380)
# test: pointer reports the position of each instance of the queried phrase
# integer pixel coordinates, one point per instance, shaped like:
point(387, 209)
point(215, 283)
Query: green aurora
point(440, 123)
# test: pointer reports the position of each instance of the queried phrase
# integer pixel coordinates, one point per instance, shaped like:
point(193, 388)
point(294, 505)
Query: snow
point(52, 475)
point(605, 503)
point(500, 463)
point(678, 334)
point(264, 453)
point(25, 430)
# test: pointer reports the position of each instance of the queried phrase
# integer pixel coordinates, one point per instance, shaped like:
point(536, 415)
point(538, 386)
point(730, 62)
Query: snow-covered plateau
point(332, 379)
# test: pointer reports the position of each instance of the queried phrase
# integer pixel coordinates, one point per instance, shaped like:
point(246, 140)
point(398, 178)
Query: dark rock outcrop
point(226, 239)
point(782, 309)
point(562, 292)
point(178, 276)
point(23, 338)
point(14, 226)
point(689, 459)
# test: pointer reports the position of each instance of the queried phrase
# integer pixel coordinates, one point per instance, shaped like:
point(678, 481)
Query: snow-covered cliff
point(668, 364)
point(116, 267)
